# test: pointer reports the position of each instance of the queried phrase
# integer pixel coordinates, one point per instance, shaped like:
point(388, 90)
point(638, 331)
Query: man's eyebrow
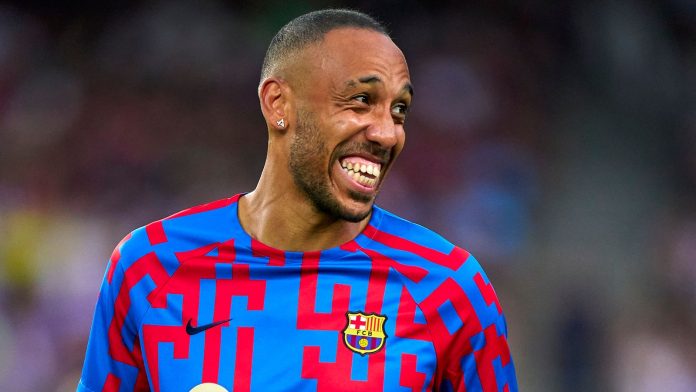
point(372, 79)
point(365, 79)
point(409, 88)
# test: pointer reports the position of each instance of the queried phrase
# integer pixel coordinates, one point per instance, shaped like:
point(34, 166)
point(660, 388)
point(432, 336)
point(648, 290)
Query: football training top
point(193, 303)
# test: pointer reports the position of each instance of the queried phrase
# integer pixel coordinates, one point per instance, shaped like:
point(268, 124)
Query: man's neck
point(292, 223)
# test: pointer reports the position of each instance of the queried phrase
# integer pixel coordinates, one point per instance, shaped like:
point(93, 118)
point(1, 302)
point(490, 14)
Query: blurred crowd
point(556, 141)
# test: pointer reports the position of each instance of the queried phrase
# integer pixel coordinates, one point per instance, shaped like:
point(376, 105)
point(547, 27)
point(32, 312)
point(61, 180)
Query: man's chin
point(361, 198)
point(358, 208)
point(351, 206)
point(355, 217)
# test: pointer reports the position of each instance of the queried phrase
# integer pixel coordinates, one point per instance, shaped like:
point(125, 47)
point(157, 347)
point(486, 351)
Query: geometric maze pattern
point(192, 299)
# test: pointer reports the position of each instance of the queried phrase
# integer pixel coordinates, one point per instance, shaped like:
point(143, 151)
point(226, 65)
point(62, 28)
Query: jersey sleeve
point(113, 360)
point(470, 333)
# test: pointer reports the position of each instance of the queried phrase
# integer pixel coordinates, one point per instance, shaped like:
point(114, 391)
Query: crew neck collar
point(364, 237)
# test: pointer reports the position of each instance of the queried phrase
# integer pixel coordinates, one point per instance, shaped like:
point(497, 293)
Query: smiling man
point(304, 284)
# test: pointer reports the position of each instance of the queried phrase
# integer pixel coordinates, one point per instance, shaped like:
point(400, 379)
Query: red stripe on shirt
point(111, 384)
point(276, 257)
point(243, 359)
point(115, 257)
point(155, 233)
point(453, 260)
point(206, 207)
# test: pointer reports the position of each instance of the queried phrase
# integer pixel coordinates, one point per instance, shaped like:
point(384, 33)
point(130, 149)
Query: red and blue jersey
point(192, 299)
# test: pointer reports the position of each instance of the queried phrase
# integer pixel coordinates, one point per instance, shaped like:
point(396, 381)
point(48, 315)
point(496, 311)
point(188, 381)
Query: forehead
point(348, 54)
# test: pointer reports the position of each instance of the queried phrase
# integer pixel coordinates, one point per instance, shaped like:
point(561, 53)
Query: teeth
point(366, 181)
point(356, 171)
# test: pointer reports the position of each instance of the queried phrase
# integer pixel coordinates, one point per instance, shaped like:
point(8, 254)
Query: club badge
point(364, 333)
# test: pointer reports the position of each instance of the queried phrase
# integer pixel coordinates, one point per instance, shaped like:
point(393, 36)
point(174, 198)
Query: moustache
point(373, 150)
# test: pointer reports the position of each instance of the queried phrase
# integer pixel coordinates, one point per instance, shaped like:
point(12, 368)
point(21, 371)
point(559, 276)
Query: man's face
point(351, 108)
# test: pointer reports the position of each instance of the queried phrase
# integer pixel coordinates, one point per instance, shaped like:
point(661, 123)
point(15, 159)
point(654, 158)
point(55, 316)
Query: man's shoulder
point(194, 226)
point(403, 237)
point(453, 274)
point(206, 208)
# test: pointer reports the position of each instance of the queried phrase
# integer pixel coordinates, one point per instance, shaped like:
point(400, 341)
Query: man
point(303, 284)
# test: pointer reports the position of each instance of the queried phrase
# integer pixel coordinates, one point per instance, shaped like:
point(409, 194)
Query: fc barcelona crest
point(364, 333)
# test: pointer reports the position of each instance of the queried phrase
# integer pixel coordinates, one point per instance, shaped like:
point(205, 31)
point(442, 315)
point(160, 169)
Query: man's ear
point(274, 94)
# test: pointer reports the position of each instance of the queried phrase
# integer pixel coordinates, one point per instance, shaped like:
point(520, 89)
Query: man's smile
point(361, 170)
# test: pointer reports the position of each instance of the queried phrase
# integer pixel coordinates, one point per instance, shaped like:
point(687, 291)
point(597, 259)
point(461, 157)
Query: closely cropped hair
point(310, 28)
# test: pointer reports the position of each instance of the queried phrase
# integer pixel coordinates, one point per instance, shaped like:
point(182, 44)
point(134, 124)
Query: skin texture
point(342, 98)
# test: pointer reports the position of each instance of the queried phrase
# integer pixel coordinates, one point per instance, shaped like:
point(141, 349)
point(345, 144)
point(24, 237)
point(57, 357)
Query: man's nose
point(383, 130)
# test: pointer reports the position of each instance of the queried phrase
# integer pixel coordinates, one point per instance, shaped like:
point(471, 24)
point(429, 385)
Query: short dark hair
point(309, 28)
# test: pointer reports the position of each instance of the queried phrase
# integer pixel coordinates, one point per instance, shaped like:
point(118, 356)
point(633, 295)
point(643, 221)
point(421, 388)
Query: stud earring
point(281, 123)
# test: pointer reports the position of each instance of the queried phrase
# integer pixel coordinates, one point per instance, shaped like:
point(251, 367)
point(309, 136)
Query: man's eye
point(400, 109)
point(362, 98)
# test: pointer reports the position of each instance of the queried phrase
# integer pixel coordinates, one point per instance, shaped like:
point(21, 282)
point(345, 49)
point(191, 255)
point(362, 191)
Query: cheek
point(343, 128)
point(401, 141)
point(338, 133)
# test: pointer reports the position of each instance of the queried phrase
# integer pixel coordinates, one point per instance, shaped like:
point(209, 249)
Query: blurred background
point(556, 141)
